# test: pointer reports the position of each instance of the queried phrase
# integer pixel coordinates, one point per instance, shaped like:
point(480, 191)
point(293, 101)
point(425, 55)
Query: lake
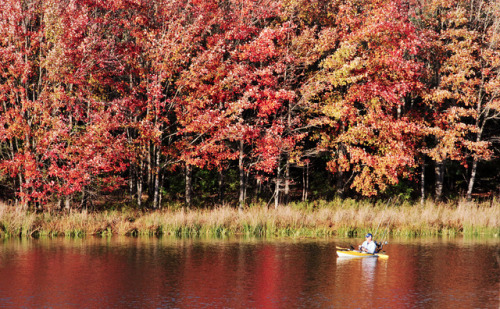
point(126, 272)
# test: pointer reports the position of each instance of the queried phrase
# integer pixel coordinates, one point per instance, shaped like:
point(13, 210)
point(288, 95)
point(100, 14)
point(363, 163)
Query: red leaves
point(61, 137)
point(88, 87)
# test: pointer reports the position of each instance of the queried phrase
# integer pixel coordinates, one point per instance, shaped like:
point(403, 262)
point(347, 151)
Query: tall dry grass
point(320, 218)
point(14, 221)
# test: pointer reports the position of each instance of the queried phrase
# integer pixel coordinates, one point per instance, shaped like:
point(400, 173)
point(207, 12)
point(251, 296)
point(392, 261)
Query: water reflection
point(243, 273)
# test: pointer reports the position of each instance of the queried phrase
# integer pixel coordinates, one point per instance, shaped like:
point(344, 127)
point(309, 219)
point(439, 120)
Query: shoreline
point(347, 218)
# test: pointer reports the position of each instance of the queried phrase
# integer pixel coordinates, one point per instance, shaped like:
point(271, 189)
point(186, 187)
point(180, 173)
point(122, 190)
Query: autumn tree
point(462, 66)
point(95, 93)
point(361, 94)
point(237, 94)
point(60, 125)
point(169, 36)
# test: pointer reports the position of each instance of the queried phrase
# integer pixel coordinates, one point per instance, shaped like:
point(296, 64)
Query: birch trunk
point(131, 183)
point(422, 185)
point(242, 177)
point(139, 184)
point(277, 189)
point(286, 192)
point(439, 170)
point(475, 161)
point(156, 199)
point(305, 182)
point(472, 179)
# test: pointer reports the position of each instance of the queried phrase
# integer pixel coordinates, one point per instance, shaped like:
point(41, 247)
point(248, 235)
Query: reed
point(315, 219)
point(16, 222)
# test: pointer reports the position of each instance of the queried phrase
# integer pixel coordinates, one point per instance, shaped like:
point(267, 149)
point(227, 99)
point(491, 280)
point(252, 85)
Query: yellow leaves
point(333, 107)
point(53, 24)
point(344, 54)
point(492, 86)
point(457, 16)
point(465, 83)
point(456, 113)
point(365, 184)
point(327, 40)
point(306, 48)
point(340, 67)
point(494, 105)
point(480, 150)
point(375, 177)
point(452, 140)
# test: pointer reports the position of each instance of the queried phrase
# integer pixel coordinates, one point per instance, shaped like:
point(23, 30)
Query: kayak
point(343, 252)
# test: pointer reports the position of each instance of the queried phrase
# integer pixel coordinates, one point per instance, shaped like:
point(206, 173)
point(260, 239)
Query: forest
point(230, 102)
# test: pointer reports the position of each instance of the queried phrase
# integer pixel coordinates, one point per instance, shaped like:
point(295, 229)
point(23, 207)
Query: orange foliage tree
point(462, 75)
point(362, 93)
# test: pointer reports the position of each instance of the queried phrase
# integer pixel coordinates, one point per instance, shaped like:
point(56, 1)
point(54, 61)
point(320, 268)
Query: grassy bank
point(340, 217)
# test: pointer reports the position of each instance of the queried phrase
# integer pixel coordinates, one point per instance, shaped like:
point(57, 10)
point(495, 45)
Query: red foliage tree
point(236, 93)
point(93, 92)
point(57, 118)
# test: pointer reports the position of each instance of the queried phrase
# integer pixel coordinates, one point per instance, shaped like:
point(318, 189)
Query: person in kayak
point(368, 246)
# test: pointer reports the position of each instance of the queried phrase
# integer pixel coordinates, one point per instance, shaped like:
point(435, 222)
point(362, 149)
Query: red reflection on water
point(237, 276)
point(134, 273)
point(266, 272)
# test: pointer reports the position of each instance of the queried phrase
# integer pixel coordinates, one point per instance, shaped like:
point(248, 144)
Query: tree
point(361, 94)
point(54, 117)
point(235, 94)
point(461, 77)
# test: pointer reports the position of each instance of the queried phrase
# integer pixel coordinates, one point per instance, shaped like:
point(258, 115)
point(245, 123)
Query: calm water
point(236, 273)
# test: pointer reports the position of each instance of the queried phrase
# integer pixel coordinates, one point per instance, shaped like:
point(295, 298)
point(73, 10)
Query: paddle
point(345, 249)
point(382, 256)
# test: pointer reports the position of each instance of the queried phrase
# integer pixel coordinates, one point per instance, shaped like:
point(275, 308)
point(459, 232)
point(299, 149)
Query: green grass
point(346, 218)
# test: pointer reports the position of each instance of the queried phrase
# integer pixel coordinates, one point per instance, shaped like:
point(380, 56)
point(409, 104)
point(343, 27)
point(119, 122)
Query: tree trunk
point(242, 177)
point(286, 192)
point(473, 173)
point(139, 184)
point(67, 202)
point(12, 155)
point(247, 177)
point(472, 179)
point(189, 185)
point(422, 185)
point(150, 173)
point(160, 198)
point(22, 201)
point(340, 185)
point(277, 189)
point(258, 188)
point(156, 199)
point(439, 170)
point(305, 182)
point(131, 182)
point(84, 202)
point(133, 166)
point(220, 194)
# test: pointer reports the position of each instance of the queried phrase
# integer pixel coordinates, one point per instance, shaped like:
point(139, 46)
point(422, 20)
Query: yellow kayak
point(344, 252)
